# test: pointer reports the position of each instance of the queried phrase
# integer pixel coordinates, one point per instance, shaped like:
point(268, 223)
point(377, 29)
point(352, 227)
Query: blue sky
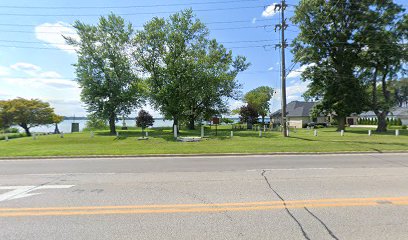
point(35, 63)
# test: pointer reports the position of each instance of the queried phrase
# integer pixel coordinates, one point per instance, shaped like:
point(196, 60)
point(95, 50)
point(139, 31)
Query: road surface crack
point(286, 208)
point(321, 222)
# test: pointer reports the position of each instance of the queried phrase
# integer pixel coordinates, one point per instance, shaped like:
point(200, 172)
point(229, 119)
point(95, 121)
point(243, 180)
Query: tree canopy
point(27, 113)
point(326, 45)
point(382, 55)
point(189, 75)
point(259, 98)
point(248, 114)
point(110, 85)
point(348, 46)
point(144, 119)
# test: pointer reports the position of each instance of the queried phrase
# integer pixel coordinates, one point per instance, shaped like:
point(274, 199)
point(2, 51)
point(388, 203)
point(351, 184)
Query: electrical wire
point(124, 7)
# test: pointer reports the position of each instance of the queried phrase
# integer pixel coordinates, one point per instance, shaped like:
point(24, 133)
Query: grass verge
point(161, 142)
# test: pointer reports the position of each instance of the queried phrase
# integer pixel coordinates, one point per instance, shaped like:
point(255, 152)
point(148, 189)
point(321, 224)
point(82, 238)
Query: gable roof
point(296, 109)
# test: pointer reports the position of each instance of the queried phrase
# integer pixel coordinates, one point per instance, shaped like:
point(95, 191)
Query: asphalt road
point(236, 197)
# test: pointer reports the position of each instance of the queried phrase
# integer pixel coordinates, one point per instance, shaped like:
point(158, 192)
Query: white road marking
point(24, 191)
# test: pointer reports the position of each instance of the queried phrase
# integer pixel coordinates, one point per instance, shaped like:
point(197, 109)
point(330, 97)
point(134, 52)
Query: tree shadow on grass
point(304, 139)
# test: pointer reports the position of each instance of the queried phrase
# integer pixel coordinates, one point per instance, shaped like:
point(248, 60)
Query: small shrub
point(404, 127)
point(95, 123)
point(11, 130)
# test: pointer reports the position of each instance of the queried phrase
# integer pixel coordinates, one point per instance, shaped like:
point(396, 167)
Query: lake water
point(65, 126)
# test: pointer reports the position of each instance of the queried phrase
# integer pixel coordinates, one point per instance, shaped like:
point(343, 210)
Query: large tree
point(190, 76)
point(383, 55)
point(110, 85)
point(259, 98)
point(26, 113)
point(326, 45)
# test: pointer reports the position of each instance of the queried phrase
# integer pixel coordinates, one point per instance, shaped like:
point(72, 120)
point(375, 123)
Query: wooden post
point(369, 132)
point(341, 132)
point(315, 132)
point(202, 131)
point(175, 131)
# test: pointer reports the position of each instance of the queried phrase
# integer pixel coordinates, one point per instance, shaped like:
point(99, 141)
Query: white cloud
point(293, 92)
point(253, 20)
point(271, 68)
point(269, 11)
point(51, 33)
point(26, 68)
point(297, 72)
point(36, 77)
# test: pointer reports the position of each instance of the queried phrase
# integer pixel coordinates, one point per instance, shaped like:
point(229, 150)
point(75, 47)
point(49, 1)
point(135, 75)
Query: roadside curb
point(201, 155)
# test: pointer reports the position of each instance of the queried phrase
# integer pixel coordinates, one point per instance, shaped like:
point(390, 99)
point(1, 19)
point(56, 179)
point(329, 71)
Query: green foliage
point(190, 75)
point(248, 114)
point(259, 98)
point(144, 119)
point(110, 87)
point(404, 127)
point(400, 90)
point(95, 123)
point(330, 58)
point(399, 122)
point(26, 113)
point(227, 120)
point(11, 130)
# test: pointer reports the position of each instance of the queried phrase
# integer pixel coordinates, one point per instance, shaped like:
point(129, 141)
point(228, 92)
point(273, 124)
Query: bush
point(404, 127)
point(11, 136)
point(399, 122)
point(11, 130)
point(95, 123)
point(227, 120)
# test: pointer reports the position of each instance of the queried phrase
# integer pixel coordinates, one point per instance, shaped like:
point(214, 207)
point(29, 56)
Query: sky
point(35, 62)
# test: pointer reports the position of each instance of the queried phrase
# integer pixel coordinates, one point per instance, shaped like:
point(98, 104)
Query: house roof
point(296, 109)
point(400, 112)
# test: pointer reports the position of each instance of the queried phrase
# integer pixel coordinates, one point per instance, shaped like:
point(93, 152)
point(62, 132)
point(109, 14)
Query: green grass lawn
point(161, 142)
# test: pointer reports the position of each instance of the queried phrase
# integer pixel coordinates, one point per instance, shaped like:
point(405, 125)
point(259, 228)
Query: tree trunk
point(56, 131)
point(26, 129)
point(175, 123)
point(112, 126)
point(263, 120)
point(382, 122)
point(191, 124)
point(341, 123)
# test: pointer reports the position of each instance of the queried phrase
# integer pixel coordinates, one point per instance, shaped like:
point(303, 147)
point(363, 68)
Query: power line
point(140, 26)
point(73, 49)
point(63, 44)
point(125, 7)
point(213, 29)
point(125, 14)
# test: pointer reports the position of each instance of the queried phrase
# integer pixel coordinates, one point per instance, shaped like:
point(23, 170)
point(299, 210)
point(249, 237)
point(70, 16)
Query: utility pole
point(282, 26)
